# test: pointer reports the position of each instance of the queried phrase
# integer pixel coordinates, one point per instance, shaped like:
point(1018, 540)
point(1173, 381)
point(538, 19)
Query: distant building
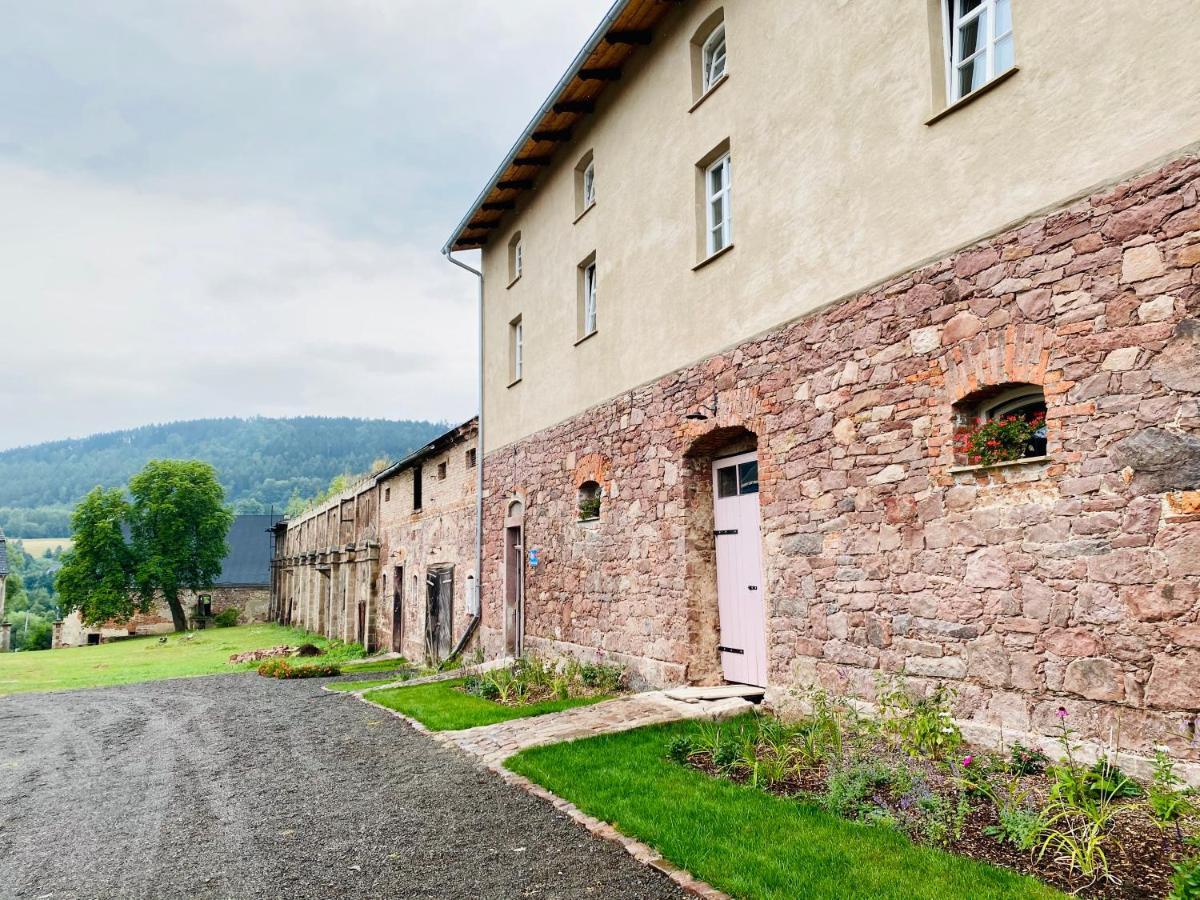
point(5, 637)
point(244, 583)
point(389, 562)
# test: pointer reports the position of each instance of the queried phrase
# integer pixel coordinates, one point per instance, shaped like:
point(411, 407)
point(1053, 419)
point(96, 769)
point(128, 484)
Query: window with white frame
point(713, 59)
point(516, 257)
point(588, 318)
point(516, 349)
point(589, 185)
point(979, 43)
point(718, 188)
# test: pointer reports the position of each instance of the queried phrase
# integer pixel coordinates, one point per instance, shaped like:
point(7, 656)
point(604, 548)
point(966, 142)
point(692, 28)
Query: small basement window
point(1003, 424)
point(589, 501)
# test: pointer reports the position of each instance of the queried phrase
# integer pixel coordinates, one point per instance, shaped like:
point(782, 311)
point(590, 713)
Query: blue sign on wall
point(533, 557)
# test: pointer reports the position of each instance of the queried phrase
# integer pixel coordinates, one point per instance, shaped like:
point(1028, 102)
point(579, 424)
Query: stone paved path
point(495, 743)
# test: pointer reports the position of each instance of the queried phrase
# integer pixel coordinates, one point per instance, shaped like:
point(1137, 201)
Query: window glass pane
point(966, 7)
point(727, 482)
point(1004, 54)
point(972, 75)
point(718, 212)
point(972, 36)
point(748, 477)
point(1003, 17)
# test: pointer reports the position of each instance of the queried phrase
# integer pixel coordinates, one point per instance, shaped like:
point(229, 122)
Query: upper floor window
point(585, 184)
point(587, 298)
point(718, 181)
point(979, 43)
point(442, 468)
point(417, 487)
point(589, 185)
point(516, 349)
point(471, 458)
point(713, 59)
point(516, 257)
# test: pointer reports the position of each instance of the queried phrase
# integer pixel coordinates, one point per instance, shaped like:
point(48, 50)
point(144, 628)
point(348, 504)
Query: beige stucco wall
point(838, 181)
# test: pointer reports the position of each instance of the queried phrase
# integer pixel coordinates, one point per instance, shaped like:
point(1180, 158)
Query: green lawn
point(745, 842)
point(145, 659)
point(349, 686)
point(440, 707)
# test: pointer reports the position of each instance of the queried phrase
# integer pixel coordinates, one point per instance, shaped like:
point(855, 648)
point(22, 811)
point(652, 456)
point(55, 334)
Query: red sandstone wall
point(1072, 581)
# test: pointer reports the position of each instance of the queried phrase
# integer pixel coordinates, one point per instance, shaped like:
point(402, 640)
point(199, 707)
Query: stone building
point(244, 583)
point(805, 249)
point(390, 563)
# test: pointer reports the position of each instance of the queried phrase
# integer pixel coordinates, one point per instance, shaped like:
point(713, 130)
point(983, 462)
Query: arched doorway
point(727, 618)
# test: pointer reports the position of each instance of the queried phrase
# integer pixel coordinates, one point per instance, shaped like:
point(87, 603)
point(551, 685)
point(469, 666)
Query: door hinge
point(752, 587)
point(737, 650)
point(726, 531)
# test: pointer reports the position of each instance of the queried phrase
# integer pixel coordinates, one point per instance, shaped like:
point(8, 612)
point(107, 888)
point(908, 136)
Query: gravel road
point(238, 786)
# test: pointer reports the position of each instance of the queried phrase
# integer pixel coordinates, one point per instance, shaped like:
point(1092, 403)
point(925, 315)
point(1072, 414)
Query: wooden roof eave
point(627, 25)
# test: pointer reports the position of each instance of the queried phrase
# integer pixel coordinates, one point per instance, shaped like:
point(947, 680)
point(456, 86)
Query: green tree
point(178, 523)
point(96, 577)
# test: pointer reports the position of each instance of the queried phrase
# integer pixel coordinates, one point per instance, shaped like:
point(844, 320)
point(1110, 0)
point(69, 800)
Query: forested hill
point(261, 462)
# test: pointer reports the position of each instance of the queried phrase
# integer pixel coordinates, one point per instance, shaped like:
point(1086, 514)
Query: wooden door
point(514, 590)
point(439, 619)
point(398, 610)
point(737, 532)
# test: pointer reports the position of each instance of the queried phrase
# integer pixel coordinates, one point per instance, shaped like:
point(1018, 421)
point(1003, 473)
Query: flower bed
point(281, 668)
point(532, 679)
point(1091, 830)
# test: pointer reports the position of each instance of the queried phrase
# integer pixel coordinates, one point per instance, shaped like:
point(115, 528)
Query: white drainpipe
point(478, 458)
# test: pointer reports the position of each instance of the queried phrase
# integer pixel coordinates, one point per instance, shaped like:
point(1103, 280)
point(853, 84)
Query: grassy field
point(746, 842)
point(440, 707)
point(145, 659)
point(36, 547)
point(349, 686)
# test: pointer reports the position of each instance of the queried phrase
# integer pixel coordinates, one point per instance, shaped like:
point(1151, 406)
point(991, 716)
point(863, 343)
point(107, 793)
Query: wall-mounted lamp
point(704, 416)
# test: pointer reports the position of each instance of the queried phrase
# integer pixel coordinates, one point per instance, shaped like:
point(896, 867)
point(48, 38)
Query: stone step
point(717, 692)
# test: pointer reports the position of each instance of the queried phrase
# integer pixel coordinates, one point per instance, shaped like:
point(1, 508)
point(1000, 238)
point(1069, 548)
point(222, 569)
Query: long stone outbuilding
point(736, 458)
point(390, 562)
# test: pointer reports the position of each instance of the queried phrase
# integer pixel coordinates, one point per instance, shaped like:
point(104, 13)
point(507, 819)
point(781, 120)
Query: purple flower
point(967, 760)
point(1062, 712)
point(906, 802)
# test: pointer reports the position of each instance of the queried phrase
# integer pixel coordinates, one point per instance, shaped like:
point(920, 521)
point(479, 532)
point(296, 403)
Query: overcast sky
point(235, 207)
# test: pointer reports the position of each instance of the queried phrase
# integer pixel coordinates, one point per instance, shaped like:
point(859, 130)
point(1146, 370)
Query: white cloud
point(123, 307)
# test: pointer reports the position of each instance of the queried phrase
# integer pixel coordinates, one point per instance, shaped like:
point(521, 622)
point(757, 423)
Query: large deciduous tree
point(96, 577)
point(177, 525)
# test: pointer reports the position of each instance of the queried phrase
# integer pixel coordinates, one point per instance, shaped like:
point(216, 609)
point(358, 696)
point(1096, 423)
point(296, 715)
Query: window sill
point(589, 335)
point(514, 382)
point(712, 90)
point(715, 256)
point(595, 520)
point(974, 95)
point(514, 281)
point(579, 217)
point(982, 467)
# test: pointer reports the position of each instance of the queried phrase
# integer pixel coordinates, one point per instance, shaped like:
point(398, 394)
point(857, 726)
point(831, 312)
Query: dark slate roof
point(250, 546)
point(3, 555)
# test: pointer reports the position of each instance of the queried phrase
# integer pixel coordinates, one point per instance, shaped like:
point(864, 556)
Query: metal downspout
point(479, 457)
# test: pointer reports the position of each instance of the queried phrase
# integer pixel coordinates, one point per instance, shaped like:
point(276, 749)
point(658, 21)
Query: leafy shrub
point(942, 819)
point(1024, 760)
point(227, 617)
point(1105, 780)
point(602, 677)
point(680, 748)
point(924, 725)
point(1185, 883)
point(1165, 802)
point(272, 668)
point(848, 788)
point(1019, 826)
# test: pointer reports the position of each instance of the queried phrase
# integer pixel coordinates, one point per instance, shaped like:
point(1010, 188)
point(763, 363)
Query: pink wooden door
point(739, 569)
